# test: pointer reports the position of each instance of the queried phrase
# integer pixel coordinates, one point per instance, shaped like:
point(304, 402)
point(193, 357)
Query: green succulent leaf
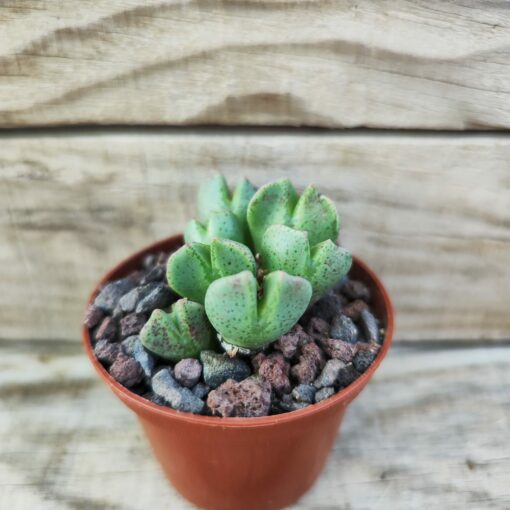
point(194, 266)
point(222, 224)
point(287, 249)
point(278, 203)
point(182, 333)
point(213, 196)
point(243, 320)
point(316, 214)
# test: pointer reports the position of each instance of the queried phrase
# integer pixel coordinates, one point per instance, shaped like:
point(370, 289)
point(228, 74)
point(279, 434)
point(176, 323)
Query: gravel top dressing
point(335, 341)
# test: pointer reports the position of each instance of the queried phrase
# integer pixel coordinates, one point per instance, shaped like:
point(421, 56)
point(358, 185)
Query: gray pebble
point(111, 293)
point(188, 372)
point(286, 403)
point(175, 395)
point(159, 297)
point(343, 328)
point(347, 375)
point(324, 393)
point(217, 368)
point(370, 326)
point(143, 357)
point(304, 393)
point(363, 360)
point(129, 343)
point(329, 373)
point(128, 301)
point(200, 390)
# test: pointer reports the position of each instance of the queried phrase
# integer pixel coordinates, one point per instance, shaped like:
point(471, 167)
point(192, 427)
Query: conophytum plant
point(251, 266)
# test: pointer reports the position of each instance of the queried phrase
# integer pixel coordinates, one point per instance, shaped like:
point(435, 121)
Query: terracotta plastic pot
point(244, 463)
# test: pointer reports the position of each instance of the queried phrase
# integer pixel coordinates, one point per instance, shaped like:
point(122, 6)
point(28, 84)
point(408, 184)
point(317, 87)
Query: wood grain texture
point(430, 215)
point(430, 431)
point(408, 64)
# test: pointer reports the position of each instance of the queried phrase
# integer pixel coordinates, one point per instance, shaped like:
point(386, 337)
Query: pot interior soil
point(333, 344)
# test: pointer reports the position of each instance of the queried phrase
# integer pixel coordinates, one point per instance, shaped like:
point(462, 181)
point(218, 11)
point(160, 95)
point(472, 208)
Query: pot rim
point(136, 401)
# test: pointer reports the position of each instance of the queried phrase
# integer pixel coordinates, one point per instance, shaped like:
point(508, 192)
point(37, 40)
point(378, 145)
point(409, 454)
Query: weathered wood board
point(435, 64)
point(430, 215)
point(430, 431)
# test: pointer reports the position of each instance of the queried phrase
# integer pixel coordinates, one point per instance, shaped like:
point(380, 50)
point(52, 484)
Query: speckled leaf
point(234, 310)
point(240, 199)
point(330, 263)
point(287, 249)
point(272, 204)
point(230, 257)
point(189, 271)
point(194, 266)
point(222, 224)
point(213, 196)
point(182, 333)
point(316, 214)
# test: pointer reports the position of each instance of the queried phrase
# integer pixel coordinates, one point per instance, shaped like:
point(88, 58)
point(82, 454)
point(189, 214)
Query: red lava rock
point(127, 371)
point(243, 399)
point(107, 330)
point(289, 343)
point(354, 289)
point(275, 370)
point(188, 372)
point(318, 328)
point(354, 308)
point(367, 346)
point(338, 349)
point(314, 352)
point(93, 316)
point(257, 360)
point(106, 352)
point(131, 324)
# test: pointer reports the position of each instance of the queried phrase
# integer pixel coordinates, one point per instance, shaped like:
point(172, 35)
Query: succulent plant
point(250, 267)
point(182, 333)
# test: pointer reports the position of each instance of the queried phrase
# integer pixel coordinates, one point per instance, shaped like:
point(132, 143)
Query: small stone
point(342, 328)
point(347, 375)
point(162, 258)
point(275, 370)
point(328, 306)
point(329, 373)
point(106, 352)
point(304, 393)
point(175, 395)
point(93, 316)
point(367, 346)
point(354, 309)
point(128, 301)
point(315, 353)
point(127, 371)
point(248, 398)
point(338, 349)
point(110, 294)
point(318, 328)
point(143, 357)
point(363, 360)
point(136, 277)
point(128, 344)
point(287, 404)
point(131, 324)
point(354, 289)
point(289, 343)
point(160, 297)
point(188, 372)
point(217, 368)
point(323, 394)
point(200, 390)
point(257, 360)
point(107, 330)
point(149, 261)
point(155, 274)
point(152, 397)
point(370, 326)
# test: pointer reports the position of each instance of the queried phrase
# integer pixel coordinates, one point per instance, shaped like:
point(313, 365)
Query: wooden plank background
point(426, 212)
point(436, 64)
point(425, 200)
